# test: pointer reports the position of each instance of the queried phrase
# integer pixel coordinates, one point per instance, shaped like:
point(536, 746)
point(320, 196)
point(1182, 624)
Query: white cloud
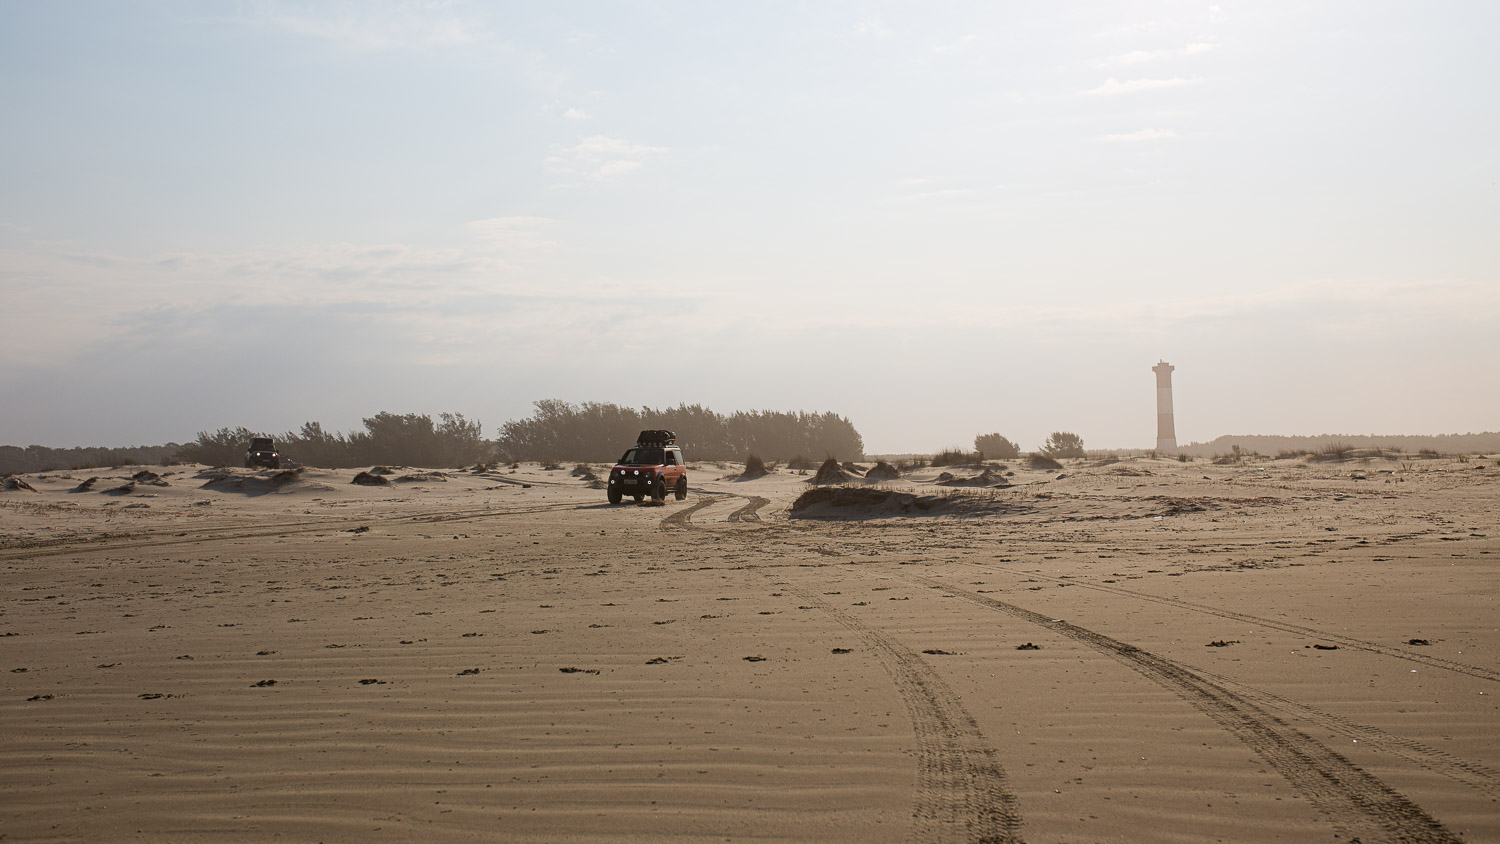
point(403, 25)
point(576, 114)
point(1142, 56)
point(1115, 86)
point(601, 158)
point(512, 234)
point(872, 28)
point(963, 43)
point(1143, 135)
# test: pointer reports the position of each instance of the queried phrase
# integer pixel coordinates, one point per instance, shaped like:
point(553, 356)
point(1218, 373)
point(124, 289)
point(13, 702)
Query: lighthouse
point(1166, 432)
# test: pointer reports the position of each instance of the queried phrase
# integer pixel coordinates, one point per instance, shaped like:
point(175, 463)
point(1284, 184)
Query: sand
point(1142, 651)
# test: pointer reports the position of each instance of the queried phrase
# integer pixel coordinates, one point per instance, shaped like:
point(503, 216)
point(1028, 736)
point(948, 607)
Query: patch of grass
point(1042, 462)
point(954, 457)
point(800, 464)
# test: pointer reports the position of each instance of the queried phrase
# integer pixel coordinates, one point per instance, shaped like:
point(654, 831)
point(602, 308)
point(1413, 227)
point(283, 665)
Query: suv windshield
point(261, 444)
point(642, 457)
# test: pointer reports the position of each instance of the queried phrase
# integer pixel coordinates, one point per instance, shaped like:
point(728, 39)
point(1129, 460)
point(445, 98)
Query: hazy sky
point(938, 219)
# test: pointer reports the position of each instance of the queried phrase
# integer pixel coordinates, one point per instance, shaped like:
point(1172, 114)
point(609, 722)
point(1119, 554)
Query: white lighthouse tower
point(1166, 431)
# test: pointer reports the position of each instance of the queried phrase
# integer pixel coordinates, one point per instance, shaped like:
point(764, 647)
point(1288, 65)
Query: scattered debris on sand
point(423, 477)
point(371, 479)
point(831, 473)
point(15, 484)
point(882, 471)
point(1028, 647)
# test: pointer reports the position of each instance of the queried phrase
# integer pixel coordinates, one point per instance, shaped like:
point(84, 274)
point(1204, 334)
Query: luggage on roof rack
point(656, 438)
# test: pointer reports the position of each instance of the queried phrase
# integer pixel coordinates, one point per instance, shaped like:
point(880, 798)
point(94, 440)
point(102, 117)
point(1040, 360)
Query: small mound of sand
point(371, 479)
point(17, 485)
point(283, 481)
point(146, 476)
point(380, 470)
point(882, 471)
point(863, 503)
point(988, 477)
point(831, 473)
point(422, 477)
point(123, 489)
point(85, 486)
point(1043, 462)
point(852, 469)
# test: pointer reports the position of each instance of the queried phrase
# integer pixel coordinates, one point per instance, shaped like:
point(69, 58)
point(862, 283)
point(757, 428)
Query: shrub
point(800, 464)
point(1063, 444)
point(754, 467)
point(953, 457)
point(1042, 461)
point(994, 446)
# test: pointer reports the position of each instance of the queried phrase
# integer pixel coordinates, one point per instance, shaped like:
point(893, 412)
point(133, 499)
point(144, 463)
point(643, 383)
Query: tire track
point(962, 793)
point(1357, 803)
point(1473, 775)
point(218, 534)
point(1345, 641)
point(749, 512)
point(683, 519)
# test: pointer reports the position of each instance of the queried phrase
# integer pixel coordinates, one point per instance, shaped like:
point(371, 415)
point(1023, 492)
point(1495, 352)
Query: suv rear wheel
point(681, 489)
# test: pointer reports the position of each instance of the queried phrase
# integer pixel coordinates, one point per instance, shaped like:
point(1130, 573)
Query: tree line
point(405, 439)
point(599, 432)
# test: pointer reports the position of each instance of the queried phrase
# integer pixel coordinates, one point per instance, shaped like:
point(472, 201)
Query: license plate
point(630, 481)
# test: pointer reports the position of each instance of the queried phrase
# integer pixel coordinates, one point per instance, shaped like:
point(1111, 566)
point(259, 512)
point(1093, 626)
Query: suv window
point(643, 456)
point(671, 457)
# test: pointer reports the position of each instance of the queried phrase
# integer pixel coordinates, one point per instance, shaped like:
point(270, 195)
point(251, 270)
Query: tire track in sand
point(962, 794)
point(683, 519)
point(1357, 803)
point(1285, 626)
point(749, 512)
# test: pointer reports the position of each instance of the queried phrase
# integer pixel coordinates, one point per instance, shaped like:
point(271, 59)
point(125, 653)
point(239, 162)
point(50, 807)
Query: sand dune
point(1142, 651)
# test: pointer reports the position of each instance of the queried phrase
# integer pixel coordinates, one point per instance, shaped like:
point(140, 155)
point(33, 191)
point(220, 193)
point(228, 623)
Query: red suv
point(654, 466)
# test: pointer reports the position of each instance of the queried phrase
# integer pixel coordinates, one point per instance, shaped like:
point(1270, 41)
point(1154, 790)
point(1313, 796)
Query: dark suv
point(262, 453)
point(654, 466)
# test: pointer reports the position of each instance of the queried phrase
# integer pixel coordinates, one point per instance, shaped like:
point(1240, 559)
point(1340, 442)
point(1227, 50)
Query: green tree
point(994, 446)
point(1063, 444)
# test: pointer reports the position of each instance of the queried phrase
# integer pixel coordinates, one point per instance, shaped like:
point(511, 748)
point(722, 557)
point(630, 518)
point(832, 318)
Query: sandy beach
point(1145, 650)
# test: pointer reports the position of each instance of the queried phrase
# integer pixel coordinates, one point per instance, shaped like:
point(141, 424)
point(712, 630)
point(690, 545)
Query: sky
point(938, 219)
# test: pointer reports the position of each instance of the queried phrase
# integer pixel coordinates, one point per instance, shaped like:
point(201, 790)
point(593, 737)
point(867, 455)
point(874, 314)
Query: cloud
point(963, 43)
point(1142, 56)
point(872, 28)
point(374, 26)
point(1143, 135)
point(512, 234)
point(601, 158)
point(1115, 86)
point(576, 114)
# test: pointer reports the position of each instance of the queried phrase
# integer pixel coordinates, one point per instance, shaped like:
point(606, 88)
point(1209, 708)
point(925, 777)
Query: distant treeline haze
point(1270, 445)
point(556, 431)
point(597, 432)
point(411, 440)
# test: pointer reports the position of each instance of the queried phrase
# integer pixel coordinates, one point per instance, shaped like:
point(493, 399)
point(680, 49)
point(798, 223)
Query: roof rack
point(656, 438)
